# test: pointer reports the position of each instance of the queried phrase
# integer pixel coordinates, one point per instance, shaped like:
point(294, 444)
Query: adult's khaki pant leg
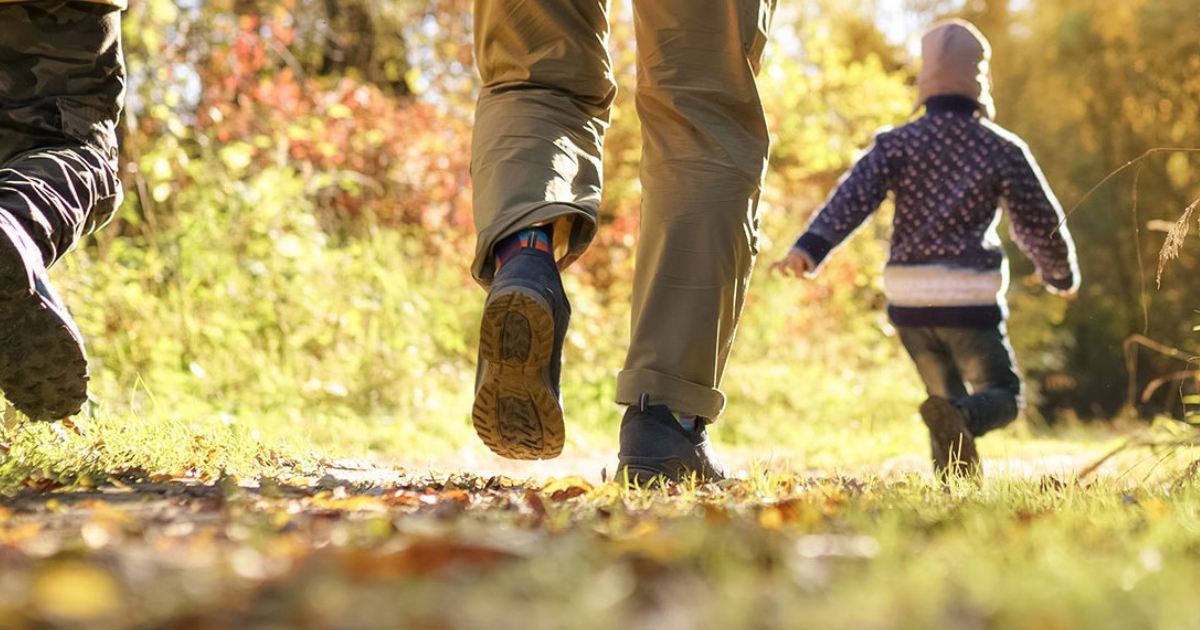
point(705, 148)
point(540, 121)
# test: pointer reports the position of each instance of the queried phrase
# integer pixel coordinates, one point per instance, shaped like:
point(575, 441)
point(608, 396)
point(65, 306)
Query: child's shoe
point(952, 445)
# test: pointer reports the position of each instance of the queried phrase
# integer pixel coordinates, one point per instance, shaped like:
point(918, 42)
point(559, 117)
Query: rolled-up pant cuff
point(683, 397)
point(579, 232)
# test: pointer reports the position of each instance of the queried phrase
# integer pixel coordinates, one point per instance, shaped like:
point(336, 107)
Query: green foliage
point(241, 308)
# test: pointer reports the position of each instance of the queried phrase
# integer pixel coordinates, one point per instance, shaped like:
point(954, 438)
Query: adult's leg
point(540, 122)
point(536, 161)
point(63, 82)
point(985, 358)
point(704, 153)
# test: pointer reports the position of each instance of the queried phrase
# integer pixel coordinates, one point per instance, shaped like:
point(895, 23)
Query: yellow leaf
point(770, 517)
point(354, 503)
point(567, 488)
point(75, 592)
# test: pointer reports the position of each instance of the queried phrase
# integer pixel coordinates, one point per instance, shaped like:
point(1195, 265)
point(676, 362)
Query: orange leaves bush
point(367, 157)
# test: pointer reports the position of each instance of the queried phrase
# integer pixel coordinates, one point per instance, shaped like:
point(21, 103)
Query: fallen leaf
point(535, 503)
point(788, 512)
point(403, 497)
point(454, 494)
point(353, 503)
point(427, 557)
point(75, 592)
point(41, 484)
point(74, 427)
point(567, 488)
point(20, 533)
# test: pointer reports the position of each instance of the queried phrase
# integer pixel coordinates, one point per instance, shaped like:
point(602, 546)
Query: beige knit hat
point(955, 58)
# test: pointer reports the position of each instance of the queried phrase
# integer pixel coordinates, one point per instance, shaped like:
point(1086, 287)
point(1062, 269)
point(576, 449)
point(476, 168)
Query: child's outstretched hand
point(794, 265)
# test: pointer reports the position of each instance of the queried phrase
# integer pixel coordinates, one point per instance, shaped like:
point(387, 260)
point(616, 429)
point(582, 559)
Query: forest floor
point(1048, 539)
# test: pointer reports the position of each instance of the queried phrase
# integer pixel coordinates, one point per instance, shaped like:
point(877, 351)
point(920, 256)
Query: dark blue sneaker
point(654, 447)
point(43, 366)
point(518, 406)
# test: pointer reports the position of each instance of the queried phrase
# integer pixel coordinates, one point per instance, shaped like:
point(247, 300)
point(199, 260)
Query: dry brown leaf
point(454, 494)
point(41, 484)
point(535, 503)
point(788, 512)
point(567, 488)
point(428, 557)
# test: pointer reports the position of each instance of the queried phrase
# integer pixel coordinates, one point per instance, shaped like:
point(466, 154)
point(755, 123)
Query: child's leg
point(985, 359)
point(934, 361)
point(951, 443)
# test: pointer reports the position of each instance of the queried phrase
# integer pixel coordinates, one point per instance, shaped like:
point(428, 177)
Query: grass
point(768, 551)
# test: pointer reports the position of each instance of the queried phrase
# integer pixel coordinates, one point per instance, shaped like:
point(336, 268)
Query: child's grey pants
point(972, 367)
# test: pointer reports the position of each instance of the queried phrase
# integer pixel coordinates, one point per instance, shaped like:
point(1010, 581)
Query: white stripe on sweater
point(942, 285)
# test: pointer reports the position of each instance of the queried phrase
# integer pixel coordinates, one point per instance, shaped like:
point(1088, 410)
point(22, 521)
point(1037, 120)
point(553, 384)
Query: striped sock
point(537, 238)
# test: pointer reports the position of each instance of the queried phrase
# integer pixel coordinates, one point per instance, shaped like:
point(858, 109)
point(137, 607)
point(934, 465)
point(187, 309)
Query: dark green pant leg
point(62, 84)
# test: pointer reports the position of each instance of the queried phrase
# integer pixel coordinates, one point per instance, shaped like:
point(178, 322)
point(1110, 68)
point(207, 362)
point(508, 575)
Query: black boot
point(43, 366)
point(518, 406)
point(655, 447)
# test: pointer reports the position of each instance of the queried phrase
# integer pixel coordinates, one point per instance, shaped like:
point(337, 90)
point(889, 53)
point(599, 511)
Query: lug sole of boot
point(43, 366)
point(516, 413)
point(953, 451)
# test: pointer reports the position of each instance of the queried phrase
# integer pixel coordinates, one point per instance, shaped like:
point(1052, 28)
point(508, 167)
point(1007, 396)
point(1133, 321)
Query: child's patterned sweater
point(949, 170)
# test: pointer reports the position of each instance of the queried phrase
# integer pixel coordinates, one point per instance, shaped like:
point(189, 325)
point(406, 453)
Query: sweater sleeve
point(857, 195)
point(1038, 224)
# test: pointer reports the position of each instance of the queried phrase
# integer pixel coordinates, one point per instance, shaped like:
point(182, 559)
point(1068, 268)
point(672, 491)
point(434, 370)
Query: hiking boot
point(43, 366)
point(518, 406)
point(951, 443)
point(654, 447)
